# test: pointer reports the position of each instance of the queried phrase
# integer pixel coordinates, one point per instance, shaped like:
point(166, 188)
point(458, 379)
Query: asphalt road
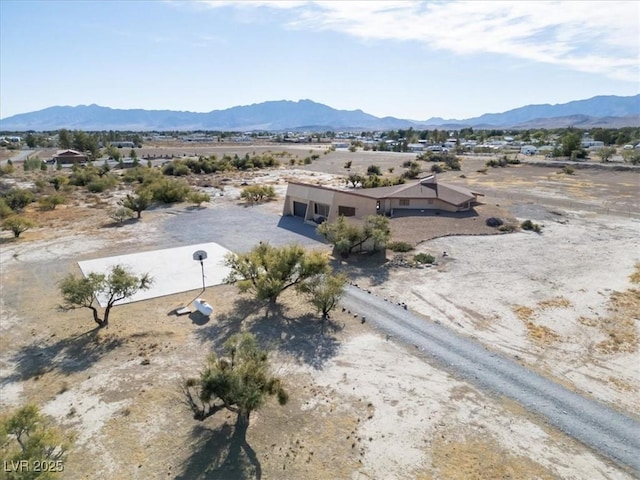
point(611, 433)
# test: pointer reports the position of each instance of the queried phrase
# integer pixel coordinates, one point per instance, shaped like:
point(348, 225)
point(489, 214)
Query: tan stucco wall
point(308, 195)
point(423, 204)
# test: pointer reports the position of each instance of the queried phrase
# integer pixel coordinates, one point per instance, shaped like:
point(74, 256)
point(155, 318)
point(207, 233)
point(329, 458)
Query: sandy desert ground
point(362, 406)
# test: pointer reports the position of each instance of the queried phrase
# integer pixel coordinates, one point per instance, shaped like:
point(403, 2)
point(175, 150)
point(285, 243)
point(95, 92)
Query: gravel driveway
point(597, 426)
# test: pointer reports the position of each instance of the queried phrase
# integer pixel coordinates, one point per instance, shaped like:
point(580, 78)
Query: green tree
point(240, 381)
point(17, 225)
point(139, 202)
point(267, 271)
point(570, 143)
point(26, 436)
point(347, 236)
point(30, 140)
point(605, 153)
point(119, 284)
point(631, 156)
point(64, 139)
point(354, 179)
point(113, 152)
point(324, 292)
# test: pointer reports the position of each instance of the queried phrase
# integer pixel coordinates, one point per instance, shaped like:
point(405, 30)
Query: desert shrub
point(50, 202)
point(348, 164)
point(258, 193)
point(424, 258)
point(40, 185)
point(437, 168)
point(142, 175)
point(181, 170)
point(81, 177)
point(58, 181)
point(33, 163)
point(399, 246)
point(530, 226)
point(198, 198)
point(7, 169)
point(121, 214)
point(18, 198)
point(569, 170)
point(166, 190)
point(100, 184)
point(494, 222)
point(5, 210)
point(374, 170)
point(508, 228)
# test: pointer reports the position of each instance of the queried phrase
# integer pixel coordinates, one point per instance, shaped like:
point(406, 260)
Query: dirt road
point(611, 433)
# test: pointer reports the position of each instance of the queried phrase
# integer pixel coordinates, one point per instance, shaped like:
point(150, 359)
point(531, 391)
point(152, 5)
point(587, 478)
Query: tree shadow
point(228, 324)
point(199, 318)
point(222, 453)
point(307, 338)
point(67, 356)
point(370, 265)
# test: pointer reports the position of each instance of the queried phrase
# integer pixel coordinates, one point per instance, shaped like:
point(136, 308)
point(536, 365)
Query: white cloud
point(595, 37)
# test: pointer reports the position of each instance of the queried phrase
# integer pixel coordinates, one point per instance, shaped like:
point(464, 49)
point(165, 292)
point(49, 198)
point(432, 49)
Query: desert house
point(318, 203)
point(68, 157)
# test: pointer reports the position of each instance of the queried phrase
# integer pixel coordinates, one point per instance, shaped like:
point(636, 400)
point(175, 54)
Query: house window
point(321, 209)
point(346, 211)
point(404, 202)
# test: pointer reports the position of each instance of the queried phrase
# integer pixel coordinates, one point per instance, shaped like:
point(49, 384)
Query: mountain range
point(283, 115)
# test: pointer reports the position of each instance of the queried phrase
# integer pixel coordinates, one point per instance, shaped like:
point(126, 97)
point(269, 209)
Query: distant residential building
point(69, 157)
point(528, 150)
point(591, 144)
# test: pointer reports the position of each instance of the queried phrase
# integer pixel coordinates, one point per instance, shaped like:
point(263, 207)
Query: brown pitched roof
point(427, 187)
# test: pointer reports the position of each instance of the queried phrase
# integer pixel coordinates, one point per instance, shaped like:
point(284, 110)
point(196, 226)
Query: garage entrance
point(300, 209)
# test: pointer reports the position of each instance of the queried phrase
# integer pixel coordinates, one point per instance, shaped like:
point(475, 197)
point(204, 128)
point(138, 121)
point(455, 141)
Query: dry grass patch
point(541, 333)
point(475, 457)
point(557, 302)
point(635, 276)
point(620, 326)
point(522, 312)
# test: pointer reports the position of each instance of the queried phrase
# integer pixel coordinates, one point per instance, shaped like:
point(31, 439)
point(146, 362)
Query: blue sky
point(406, 59)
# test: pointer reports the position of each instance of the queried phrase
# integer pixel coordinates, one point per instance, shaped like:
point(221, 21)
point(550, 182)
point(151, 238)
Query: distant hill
point(285, 115)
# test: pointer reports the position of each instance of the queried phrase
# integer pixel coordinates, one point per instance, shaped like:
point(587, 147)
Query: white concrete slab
point(173, 269)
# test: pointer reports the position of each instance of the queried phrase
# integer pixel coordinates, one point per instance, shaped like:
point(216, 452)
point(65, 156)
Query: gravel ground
point(612, 433)
point(236, 228)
